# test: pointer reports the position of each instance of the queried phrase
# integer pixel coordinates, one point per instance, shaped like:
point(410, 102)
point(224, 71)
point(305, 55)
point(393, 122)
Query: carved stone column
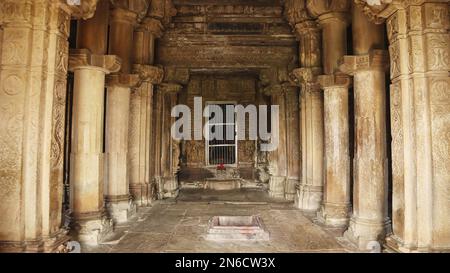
point(87, 145)
point(369, 220)
point(33, 71)
point(278, 158)
point(157, 138)
point(118, 199)
point(169, 147)
point(336, 199)
point(141, 130)
point(292, 141)
point(309, 192)
point(419, 55)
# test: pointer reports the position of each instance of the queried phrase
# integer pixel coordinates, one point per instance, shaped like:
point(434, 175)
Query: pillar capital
point(152, 26)
point(83, 58)
point(376, 59)
point(169, 88)
point(325, 10)
point(307, 27)
point(296, 12)
point(305, 75)
point(149, 73)
point(122, 80)
point(84, 10)
point(336, 80)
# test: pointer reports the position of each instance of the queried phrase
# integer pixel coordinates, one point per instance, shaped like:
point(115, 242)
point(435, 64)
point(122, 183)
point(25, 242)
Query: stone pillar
point(118, 199)
point(336, 199)
point(309, 192)
point(122, 22)
point(87, 169)
point(419, 56)
point(293, 142)
point(140, 161)
point(278, 158)
point(369, 220)
point(140, 151)
point(33, 72)
point(169, 147)
point(157, 138)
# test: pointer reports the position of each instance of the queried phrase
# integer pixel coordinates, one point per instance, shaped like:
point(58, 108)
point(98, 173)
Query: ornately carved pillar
point(33, 72)
point(118, 198)
point(169, 147)
point(369, 220)
point(336, 199)
point(140, 150)
point(309, 192)
point(278, 158)
point(420, 119)
point(292, 141)
point(87, 164)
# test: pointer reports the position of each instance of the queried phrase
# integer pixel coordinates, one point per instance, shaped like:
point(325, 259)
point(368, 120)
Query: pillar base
point(143, 193)
point(309, 197)
point(120, 208)
point(171, 187)
point(334, 215)
point(52, 244)
point(361, 232)
point(291, 189)
point(92, 228)
point(276, 186)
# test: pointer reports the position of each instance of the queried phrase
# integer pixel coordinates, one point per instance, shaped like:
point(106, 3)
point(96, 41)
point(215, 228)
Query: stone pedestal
point(369, 221)
point(118, 199)
point(336, 199)
point(87, 165)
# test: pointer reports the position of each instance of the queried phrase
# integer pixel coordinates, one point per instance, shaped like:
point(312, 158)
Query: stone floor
point(180, 226)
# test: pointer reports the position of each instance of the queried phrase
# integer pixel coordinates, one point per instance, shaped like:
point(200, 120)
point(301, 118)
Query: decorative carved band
point(148, 73)
point(336, 80)
point(169, 88)
point(152, 26)
point(305, 75)
point(376, 59)
point(83, 58)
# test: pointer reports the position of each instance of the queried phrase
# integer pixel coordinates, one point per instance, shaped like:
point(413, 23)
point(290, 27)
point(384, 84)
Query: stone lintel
point(123, 80)
point(149, 73)
point(169, 88)
point(376, 59)
point(84, 11)
point(336, 80)
point(152, 26)
point(84, 58)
